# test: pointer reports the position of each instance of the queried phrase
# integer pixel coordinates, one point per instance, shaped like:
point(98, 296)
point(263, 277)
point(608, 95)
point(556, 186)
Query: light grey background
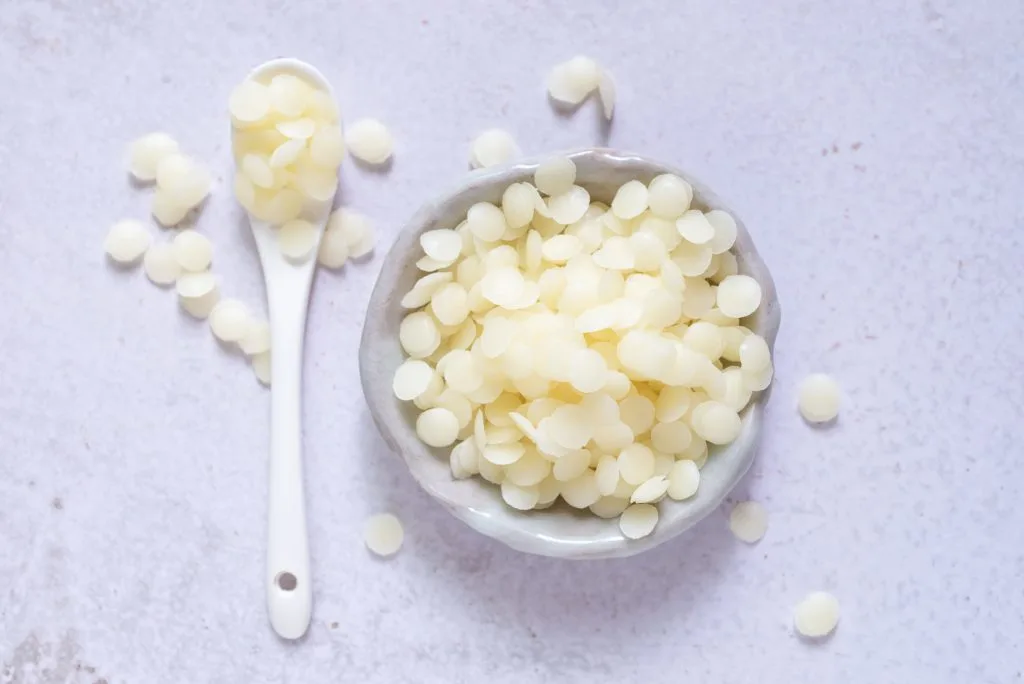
point(874, 149)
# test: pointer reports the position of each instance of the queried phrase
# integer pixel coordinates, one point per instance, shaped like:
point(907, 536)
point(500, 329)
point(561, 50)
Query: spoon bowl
point(558, 531)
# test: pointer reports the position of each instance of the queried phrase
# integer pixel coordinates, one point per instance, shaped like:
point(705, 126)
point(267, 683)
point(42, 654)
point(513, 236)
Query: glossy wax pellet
point(570, 82)
point(493, 147)
point(817, 615)
point(819, 398)
point(127, 241)
point(229, 320)
point(383, 534)
point(370, 141)
point(146, 153)
point(748, 521)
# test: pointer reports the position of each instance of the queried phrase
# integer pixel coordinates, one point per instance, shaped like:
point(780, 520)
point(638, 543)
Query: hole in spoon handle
point(286, 581)
point(289, 603)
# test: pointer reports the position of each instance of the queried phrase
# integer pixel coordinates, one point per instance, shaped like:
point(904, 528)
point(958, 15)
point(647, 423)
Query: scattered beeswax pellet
point(748, 521)
point(383, 534)
point(160, 265)
point(127, 241)
point(370, 141)
point(493, 147)
point(817, 615)
point(146, 153)
point(818, 398)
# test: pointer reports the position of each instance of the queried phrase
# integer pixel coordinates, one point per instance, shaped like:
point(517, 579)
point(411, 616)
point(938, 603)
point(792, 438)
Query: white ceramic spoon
point(289, 586)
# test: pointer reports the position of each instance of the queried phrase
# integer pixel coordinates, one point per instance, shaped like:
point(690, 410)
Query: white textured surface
point(152, 438)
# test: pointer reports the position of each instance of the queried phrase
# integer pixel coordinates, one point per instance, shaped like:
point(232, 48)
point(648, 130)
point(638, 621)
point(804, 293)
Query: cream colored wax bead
point(127, 241)
point(493, 147)
point(570, 426)
point(182, 180)
point(663, 464)
point(672, 403)
point(464, 460)
point(581, 492)
point(200, 307)
point(519, 202)
point(383, 534)
point(442, 244)
point(570, 82)
point(561, 248)
point(256, 339)
point(419, 335)
point(297, 239)
point(739, 296)
point(609, 507)
point(146, 153)
point(192, 250)
point(715, 422)
point(167, 210)
point(636, 464)
point(671, 438)
point(370, 141)
point(587, 370)
point(756, 381)
point(249, 102)
point(695, 228)
point(669, 196)
point(486, 221)
point(333, 251)
point(261, 367)
point(630, 200)
point(683, 480)
point(160, 265)
point(502, 454)
point(572, 465)
point(725, 231)
point(819, 398)
point(817, 615)
point(529, 470)
point(736, 394)
point(754, 354)
point(520, 497)
point(437, 427)
point(355, 229)
point(638, 413)
point(229, 320)
point(424, 289)
point(196, 285)
point(638, 521)
point(288, 95)
point(327, 147)
point(607, 474)
point(555, 176)
point(450, 304)
point(650, 490)
point(570, 206)
point(748, 521)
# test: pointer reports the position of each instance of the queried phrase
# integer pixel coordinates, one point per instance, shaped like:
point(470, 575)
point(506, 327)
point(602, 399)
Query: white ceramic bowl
point(558, 531)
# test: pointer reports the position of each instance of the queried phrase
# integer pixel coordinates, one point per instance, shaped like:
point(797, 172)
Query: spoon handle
point(289, 585)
